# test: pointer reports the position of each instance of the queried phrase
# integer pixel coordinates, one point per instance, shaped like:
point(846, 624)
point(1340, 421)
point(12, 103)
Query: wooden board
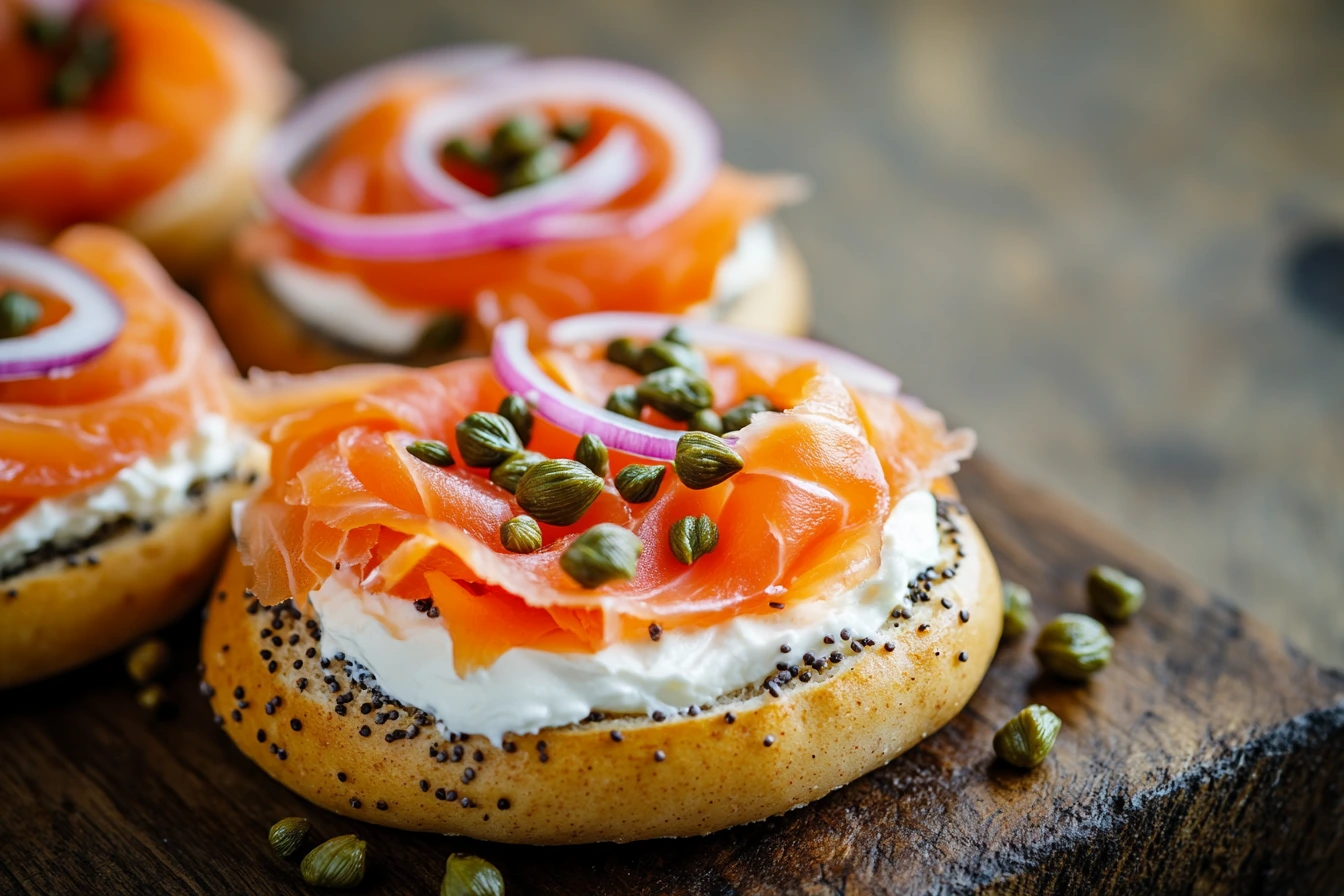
point(1209, 757)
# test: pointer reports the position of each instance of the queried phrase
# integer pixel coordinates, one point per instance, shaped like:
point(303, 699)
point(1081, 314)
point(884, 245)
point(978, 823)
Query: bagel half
point(260, 332)
point(578, 784)
point(89, 603)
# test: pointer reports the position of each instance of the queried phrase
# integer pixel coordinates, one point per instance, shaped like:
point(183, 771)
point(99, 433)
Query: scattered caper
point(678, 334)
point(153, 699)
point(517, 137)
point(338, 863)
point(705, 420)
point(514, 408)
point(558, 491)
point(19, 313)
point(431, 451)
point(1114, 594)
point(624, 401)
point(484, 440)
point(148, 660)
point(675, 392)
point(1017, 615)
point(442, 334)
point(521, 535)
point(471, 876)
point(1028, 737)
point(639, 483)
point(663, 354)
point(625, 352)
point(704, 460)
point(539, 165)
point(692, 537)
point(287, 835)
point(508, 474)
point(1073, 646)
point(605, 552)
point(592, 454)
point(740, 415)
point(572, 130)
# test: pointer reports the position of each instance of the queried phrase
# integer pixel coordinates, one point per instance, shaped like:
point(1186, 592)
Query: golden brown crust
point(259, 332)
point(588, 787)
point(59, 616)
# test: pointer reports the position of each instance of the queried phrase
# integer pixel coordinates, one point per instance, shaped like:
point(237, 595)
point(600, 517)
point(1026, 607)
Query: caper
point(533, 168)
point(678, 334)
point(484, 440)
point(692, 537)
point(675, 392)
point(148, 660)
point(558, 491)
point(431, 451)
point(1017, 615)
point(471, 876)
point(44, 31)
point(705, 420)
point(625, 352)
point(1028, 737)
point(663, 354)
point(19, 313)
point(1073, 646)
point(521, 535)
point(338, 863)
point(464, 149)
point(515, 409)
point(517, 137)
point(153, 699)
point(287, 835)
point(508, 474)
point(442, 334)
point(605, 552)
point(572, 130)
point(704, 460)
point(1114, 594)
point(639, 483)
point(624, 400)
point(92, 60)
point(592, 454)
point(740, 415)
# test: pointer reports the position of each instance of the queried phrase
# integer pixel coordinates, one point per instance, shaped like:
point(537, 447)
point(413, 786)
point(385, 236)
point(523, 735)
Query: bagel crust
point(260, 332)
point(67, 612)
point(350, 749)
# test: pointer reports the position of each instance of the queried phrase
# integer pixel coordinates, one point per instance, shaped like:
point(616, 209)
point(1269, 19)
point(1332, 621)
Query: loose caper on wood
point(484, 440)
point(1017, 615)
point(1028, 737)
point(1073, 646)
point(558, 491)
point(337, 864)
point(1113, 594)
point(148, 660)
point(604, 553)
point(471, 876)
point(287, 835)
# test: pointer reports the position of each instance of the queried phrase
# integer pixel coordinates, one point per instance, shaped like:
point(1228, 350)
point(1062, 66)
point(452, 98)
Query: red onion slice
point(518, 372)
point(608, 325)
point(94, 320)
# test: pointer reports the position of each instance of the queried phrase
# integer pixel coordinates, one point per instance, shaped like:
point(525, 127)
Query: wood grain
point(1209, 757)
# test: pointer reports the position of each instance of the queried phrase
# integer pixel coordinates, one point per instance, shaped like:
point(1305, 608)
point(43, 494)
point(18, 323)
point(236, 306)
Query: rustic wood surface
point(1065, 223)
point(1209, 757)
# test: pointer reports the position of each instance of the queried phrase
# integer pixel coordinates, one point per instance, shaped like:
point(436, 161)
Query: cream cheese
point(343, 308)
point(149, 489)
point(526, 690)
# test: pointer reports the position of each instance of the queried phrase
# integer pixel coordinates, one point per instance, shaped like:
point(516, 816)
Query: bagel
point(317, 725)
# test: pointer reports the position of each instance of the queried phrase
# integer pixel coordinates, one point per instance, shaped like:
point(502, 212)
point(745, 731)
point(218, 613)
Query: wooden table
point(1063, 223)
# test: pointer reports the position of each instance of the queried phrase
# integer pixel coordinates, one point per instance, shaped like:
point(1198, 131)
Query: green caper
point(624, 400)
point(1074, 646)
point(508, 474)
point(85, 69)
point(675, 392)
point(705, 420)
point(521, 535)
point(515, 409)
point(704, 460)
point(663, 354)
point(1028, 737)
point(154, 700)
point(443, 333)
point(625, 352)
point(572, 130)
point(19, 313)
point(592, 454)
point(484, 440)
point(287, 835)
point(692, 537)
point(431, 451)
point(678, 334)
point(338, 863)
point(471, 876)
point(44, 31)
point(517, 137)
point(1113, 594)
point(740, 415)
point(1017, 615)
point(533, 168)
point(558, 491)
point(605, 552)
point(465, 150)
point(148, 660)
point(639, 483)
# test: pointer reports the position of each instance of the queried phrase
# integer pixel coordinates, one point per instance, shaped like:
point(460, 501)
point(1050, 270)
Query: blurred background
point(1108, 236)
